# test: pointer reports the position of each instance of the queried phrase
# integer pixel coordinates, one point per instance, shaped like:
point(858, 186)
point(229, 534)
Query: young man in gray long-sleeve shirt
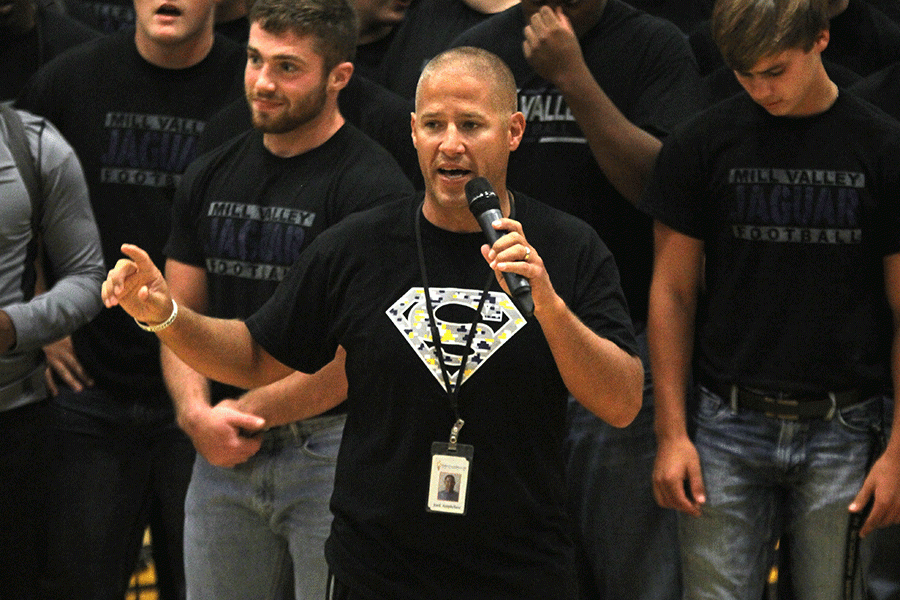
point(71, 244)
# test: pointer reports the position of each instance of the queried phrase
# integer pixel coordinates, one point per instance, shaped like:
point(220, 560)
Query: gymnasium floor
point(143, 582)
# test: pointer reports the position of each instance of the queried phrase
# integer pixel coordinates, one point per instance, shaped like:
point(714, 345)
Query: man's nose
point(264, 79)
point(452, 141)
point(760, 88)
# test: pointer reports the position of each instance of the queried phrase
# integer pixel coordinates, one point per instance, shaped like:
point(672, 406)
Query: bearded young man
point(257, 507)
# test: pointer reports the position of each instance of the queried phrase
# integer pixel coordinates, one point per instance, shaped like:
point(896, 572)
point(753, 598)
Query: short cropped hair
point(747, 31)
point(331, 22)
point(485, 65)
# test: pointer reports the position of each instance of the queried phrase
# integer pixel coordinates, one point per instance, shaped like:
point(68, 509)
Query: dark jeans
point(626, 544)
point(117, 467)
point(884, 572)
point(338, 591)
point(23, 435)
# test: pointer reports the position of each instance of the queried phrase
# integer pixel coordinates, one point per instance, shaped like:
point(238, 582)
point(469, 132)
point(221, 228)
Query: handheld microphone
point(485, 206)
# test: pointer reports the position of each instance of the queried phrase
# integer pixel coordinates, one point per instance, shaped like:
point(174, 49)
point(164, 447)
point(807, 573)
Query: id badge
point(449, 478)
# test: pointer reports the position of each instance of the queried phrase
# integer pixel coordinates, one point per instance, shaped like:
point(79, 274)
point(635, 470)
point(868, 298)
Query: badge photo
point(448, 482)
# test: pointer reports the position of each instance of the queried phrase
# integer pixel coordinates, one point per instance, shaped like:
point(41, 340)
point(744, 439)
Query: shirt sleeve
point(597, 297)
point(678, 185)
point(184, 244)
point(307, 290)
point(71, 245)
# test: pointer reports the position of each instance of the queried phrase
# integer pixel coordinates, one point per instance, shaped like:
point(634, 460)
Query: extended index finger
point(138, 255)
point(114, 284)
point(138, 261)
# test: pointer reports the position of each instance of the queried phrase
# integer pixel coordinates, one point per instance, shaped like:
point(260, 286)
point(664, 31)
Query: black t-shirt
point(796, 216)
point(369, 56)
point(889, 7)
point(645, 67)
point(106, 16)
point(134, 127)
point(882, 89)
point(22, 55)
point(235, 29)
point(863, 38)
point(245, 214)
point(427, 30)
point(359, 285)
point(684, 13)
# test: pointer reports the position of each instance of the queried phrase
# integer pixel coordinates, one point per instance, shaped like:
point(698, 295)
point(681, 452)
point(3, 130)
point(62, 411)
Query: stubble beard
point(288, 120)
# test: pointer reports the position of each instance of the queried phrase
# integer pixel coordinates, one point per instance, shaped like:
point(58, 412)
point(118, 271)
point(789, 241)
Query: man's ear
point(822, 40)
point(516, 130)
point(340, 76)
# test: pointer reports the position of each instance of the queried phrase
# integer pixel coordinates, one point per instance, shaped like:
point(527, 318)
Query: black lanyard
point(452, 391)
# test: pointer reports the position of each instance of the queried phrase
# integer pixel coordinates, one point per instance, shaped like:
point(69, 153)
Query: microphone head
point(481, 196)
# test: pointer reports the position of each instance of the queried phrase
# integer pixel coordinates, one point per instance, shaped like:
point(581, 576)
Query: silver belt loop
point(734, 399)
point(294, 428)
point(831, 411)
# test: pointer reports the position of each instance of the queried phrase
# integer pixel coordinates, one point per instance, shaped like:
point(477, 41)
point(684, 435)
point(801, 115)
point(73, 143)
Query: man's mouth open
point(168, 10)
point(454, 173)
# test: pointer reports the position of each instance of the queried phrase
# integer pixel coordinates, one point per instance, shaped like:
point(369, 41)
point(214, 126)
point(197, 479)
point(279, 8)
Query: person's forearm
point(188, 389)
point(69, 304)
point(7, 332)
point(603, 377)
point(893, 442)
point(221, 349)
point(299, 395)
point(669, 337)
point(892, 291)
point(624, 151)
point(677, 275)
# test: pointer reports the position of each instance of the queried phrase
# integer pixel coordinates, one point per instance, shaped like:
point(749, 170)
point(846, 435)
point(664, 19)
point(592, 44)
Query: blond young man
point(777, 274)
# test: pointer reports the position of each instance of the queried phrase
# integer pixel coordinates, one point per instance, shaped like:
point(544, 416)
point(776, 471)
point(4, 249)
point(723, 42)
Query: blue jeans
point(117, 467)
point(257, 531)
point(764, 476)
point(626, 544)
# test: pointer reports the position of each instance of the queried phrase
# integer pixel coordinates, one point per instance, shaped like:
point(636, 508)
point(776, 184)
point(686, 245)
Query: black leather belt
point(787, 406)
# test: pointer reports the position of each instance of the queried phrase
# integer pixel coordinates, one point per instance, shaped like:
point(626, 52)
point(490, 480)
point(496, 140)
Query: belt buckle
point(779, 403)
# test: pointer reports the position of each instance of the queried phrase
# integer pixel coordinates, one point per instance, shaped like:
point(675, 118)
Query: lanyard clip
point(454, 433)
